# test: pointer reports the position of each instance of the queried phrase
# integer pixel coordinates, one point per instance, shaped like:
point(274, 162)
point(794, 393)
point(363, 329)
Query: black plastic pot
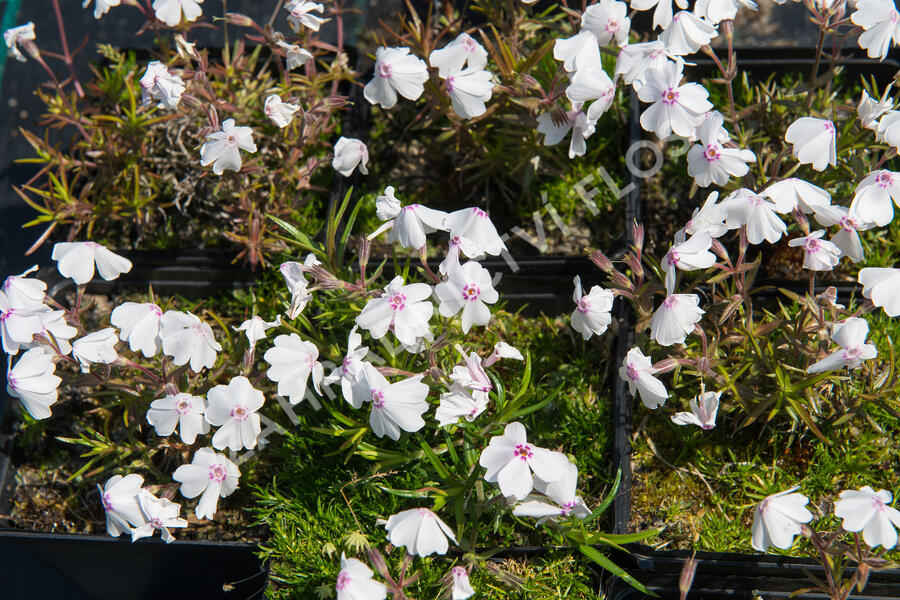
point(726, 575)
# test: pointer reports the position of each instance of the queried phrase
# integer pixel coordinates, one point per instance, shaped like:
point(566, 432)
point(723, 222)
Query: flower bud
point(239, 19)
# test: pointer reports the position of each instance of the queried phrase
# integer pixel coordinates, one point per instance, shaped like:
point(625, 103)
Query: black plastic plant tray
point(87, 567)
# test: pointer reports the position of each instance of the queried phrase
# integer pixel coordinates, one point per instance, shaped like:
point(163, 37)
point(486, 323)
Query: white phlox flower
point(170, 11)
point(871, 110)
point(875, 197)
point(159, 514)
point(397, 406)
point(462, 52)
point(222, 149)
point(881, 285)
point(420, 531)
point(870, 512)
point(161, 85)
point(513, 463)
point(210, 476)
point(675, 319)
point(563, 494)
point(180, 410)
point(98, 347)
point(76, 260)
point(17, 36)
point(638, 372)
point(468, 288)
point(474, 232)
point(607, 20)
point(674, 107)
point(709, 218)
point(292, 361)
point(689, 255)
point(818, 254)
point(233, 409)
point(703, 411)
point(187, 339)
point(138, 324)
point(759, 215)
point(778, 518)
point(300, 15)
point(119, 496)
point(592, 311)
point(580, 51)
point(881, 24)
point(791, 193)
point(255, 328)
point(280, 113)
point(355, 582)
point(662, 16)
point(350, 153)
point(575, 121)
point(709, 162)
point(850, 334)
point(847, 238)
point(460, 402)
point(32, 381)
point(405, 308)
point(592, 84)
point(396, 72)
point(814, 142)
point(409, 224)
point(687, 33)
point(349, 368)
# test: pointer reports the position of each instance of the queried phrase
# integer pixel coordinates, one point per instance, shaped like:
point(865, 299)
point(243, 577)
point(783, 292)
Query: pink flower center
point(828, 127)
point(895, 17)
point(469, 44)
point(852, 353)
point(182, 407)
point(378, 398)
point(5, 314)
point(217, 473)
point(670, 301)
point(231, 140)
point(384, 70)
point(632, 371)
point(343, 580)
point(848, 223)
point(10, 380)
point(884, 179)
point(474, 411)
point(345, 366)
point(812, 245)
point(672, 257)
point(712, 153)
point(398, 301)
point(459, 572)
point(566, 509)
point(670, 96)
point(755, 200)
point(479, 213)
point(450, 81)
point(107, 502)
point(523, 451)
point(157, 523)
point(612, 26)
point(240, 413)
point(470, 292)
point(584, 306)
point(425, 513)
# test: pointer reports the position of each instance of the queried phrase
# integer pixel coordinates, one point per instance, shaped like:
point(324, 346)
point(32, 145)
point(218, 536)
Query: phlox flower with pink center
point(355, 582)
point(97, 347)
point(709, 218)
point(792, 193)
point(662, 16)
point(703, 411)
point(350, 153)
point(503, 350)
point(870, 512)
point(555, 126)
point(76, 260)
point(180, 410)
point(210, 474)
point(814, 142)
point(580, 51)
point(759, 215)
point(297, 284)
point(300, 15)
point(420, 531)
point(170, 11)
point(675, 319)
point(716, 11)
point(474, 233)
point(292, 361)
point(403, 307)
point(638, 372)
point(850, 334)
point(349, 368)
point(607, 20)
point(462, 52)
point(471, 374)
point(875, 197)
point(162, 85)
point(233, 409)
point(688, 255)
point(710, 162)
point(563, 496)
point(469, 90)
point(512, 463)
point(119, 496)
point(222, 148)
point(17, 325)
point(881, 24)
point(397, 406)
point(255, 328)
point(159, 514)
point(460, 402)
point(23, 291)
point(138, 324)
point(881, 285)
point(592, 311)
point(778, 518)
point(295, 56)
point(54, 329)
point(674, 107)
point(847, 238)
point(592, 84)
point(468, 289)
point(819, 254)
point(32, 381)
point(871, 110)
point(687, 33)
point(460, 588)
point(396, 72)
point(635, 60)
point(280, 113)
point(409, 224)
point(187, 339)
